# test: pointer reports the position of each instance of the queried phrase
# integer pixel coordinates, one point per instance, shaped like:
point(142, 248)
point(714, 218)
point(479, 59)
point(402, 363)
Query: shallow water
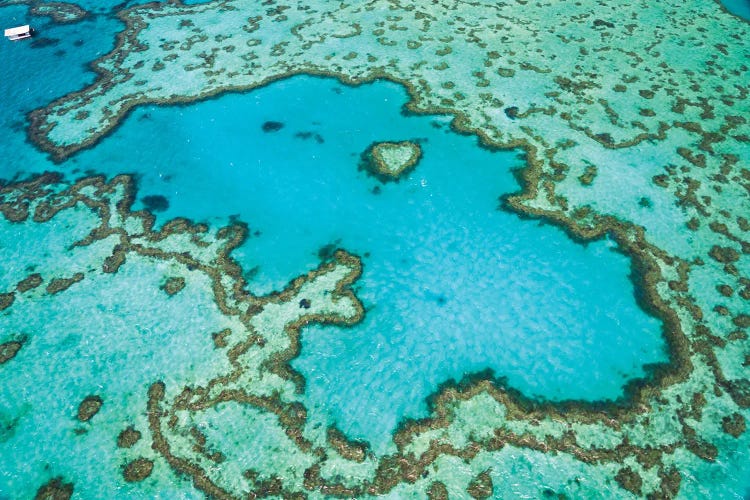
point(452, 284)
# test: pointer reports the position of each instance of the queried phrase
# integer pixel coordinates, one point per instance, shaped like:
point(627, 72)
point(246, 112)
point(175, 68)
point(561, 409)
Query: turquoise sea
point(453, 283)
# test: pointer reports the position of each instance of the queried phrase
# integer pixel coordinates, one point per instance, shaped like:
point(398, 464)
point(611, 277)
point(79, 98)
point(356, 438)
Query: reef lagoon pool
point(259, 251)
point(453, 283)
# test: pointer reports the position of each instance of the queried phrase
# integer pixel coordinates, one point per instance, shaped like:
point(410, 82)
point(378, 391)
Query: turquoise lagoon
point(452, 283)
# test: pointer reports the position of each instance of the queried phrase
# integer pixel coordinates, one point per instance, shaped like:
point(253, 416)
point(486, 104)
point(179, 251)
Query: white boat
point(19, 32)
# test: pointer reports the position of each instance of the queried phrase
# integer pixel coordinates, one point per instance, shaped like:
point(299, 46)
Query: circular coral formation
point(389, 161)
point(173, 285)
point(138, 470)
point(8, 350)
point(481, 486)
point(55, 489)
point(60, 12)
point(734, 425)
point(128, 437)
point(89, 407)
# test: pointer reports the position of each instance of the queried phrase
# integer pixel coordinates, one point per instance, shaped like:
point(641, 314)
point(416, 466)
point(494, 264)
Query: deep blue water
point(740, 8)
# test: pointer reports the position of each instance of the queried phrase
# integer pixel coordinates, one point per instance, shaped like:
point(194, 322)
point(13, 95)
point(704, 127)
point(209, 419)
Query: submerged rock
point(272, 126)
point(138, 470)
point(55, 489)
point(481, 486)
point(89, 407)
point(128, 437)
point(8, 350)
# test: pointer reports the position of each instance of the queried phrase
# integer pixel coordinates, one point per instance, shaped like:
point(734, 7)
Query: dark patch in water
point(605, 137)
point(272, 126)
point(59, 53)
point(78, 43)
point(251, 273)
point(376, 190)
point(40, 43)
point(326, 251)
point(511, 112)
point(305, 304)
point(155, 203)
point(120, 6)
point(600, 23)
point(55, 488)
point(310, 135)
point(7, 428)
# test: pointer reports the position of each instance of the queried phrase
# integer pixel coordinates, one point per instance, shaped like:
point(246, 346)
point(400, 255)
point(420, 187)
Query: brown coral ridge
point(58, 285)
point(197, 398)
point(406, 467)
point(395, 469)
point(403, 466)
point(37, 131)
point(45, 195)
point(351, 450)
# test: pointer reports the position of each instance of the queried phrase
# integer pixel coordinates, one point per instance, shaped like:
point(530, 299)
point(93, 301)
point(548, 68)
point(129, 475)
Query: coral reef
point(581, 93)
point(388, 161)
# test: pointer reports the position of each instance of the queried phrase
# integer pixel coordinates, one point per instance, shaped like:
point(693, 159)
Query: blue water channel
point(740, 8)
